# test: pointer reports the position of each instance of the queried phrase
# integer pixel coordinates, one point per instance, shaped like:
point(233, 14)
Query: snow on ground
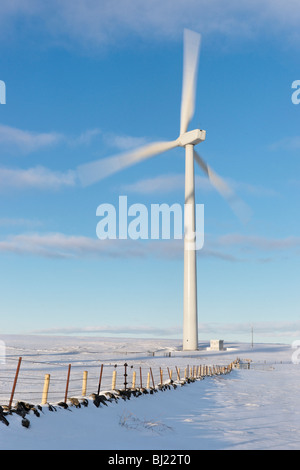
point(257, 408)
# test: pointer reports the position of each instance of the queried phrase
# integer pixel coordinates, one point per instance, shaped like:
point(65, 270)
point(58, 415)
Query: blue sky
point(87, 80)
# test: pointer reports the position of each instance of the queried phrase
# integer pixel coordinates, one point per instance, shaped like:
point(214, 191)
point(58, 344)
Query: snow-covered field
point(257, 408)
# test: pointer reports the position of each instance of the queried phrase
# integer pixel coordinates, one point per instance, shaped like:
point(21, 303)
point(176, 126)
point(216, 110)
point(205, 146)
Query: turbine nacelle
point(192, 137)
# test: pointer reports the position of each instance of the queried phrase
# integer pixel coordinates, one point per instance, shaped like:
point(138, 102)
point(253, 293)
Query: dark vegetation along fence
point(111, 382)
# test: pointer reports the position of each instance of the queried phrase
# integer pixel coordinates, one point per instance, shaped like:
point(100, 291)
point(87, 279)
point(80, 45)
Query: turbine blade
point(91, 172)
point(238, 206)
point(191, 48)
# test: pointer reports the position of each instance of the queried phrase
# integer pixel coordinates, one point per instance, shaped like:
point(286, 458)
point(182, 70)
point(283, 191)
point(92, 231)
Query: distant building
point(216, 345)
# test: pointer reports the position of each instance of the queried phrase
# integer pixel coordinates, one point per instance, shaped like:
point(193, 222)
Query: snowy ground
point(246, 409)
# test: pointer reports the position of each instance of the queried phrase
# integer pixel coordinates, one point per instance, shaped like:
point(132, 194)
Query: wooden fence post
point(15, 383)
point(100, 378)
point(141, 383)
point(67, 384)
point(45, 389)
point(114, 378)
point(170, 373)
point(148, 380)
point(133, 378)
point(84, 382)
point(152, 378)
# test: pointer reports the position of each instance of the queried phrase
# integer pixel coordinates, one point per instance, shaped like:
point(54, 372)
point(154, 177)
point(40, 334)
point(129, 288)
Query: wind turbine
point(95, 171)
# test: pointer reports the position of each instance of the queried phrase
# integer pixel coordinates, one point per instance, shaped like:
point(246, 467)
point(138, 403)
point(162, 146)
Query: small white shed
point(217, 345)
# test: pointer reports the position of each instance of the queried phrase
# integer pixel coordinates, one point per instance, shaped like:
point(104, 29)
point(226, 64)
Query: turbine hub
point(191, 137)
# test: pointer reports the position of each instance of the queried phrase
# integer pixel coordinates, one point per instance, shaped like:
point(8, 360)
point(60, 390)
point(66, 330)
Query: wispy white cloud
point(165, 184)
point(123, 330)
point(250, 242)
point(23, 141)
point(228, 248)
point(106, 138)
point(281, 331)
point(54, 245)
point(123, 142)
point(86, 137)
point(12, 138)
point(19, 222)
point(172, 182)
point(97, 23)
point(252, 189)
point(159, 184)
point(59, 245)
point(287, 143)
point(262, 330)
point(35, 178)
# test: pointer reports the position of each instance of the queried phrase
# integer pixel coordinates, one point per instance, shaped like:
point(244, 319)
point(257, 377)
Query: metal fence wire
point(29, 382)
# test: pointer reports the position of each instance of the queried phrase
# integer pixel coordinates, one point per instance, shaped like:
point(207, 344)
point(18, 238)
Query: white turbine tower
point(93, 172)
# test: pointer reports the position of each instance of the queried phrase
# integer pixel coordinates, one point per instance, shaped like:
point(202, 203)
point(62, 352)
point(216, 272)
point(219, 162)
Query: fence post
point(152, 378)
point(133, 378)
point(148, 380)
point(141, 383)
point(114, 377)
point(178, 372)
point(161, 376)
point(84, 382)
point(15, 383)
point(45, 389)
point(100, 378)
point(67, 384)
point(125, 375)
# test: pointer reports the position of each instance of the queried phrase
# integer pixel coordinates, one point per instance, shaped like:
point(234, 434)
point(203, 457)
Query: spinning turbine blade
point(238, 206)
point(190, 67)
point(92, 172)
point(215, 179)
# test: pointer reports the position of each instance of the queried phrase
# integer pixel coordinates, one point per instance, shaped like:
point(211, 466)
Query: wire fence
point(49, 382)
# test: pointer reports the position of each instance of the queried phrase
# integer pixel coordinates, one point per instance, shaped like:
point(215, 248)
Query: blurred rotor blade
point(191, 48)
point(238, 206)
point(90, 173)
